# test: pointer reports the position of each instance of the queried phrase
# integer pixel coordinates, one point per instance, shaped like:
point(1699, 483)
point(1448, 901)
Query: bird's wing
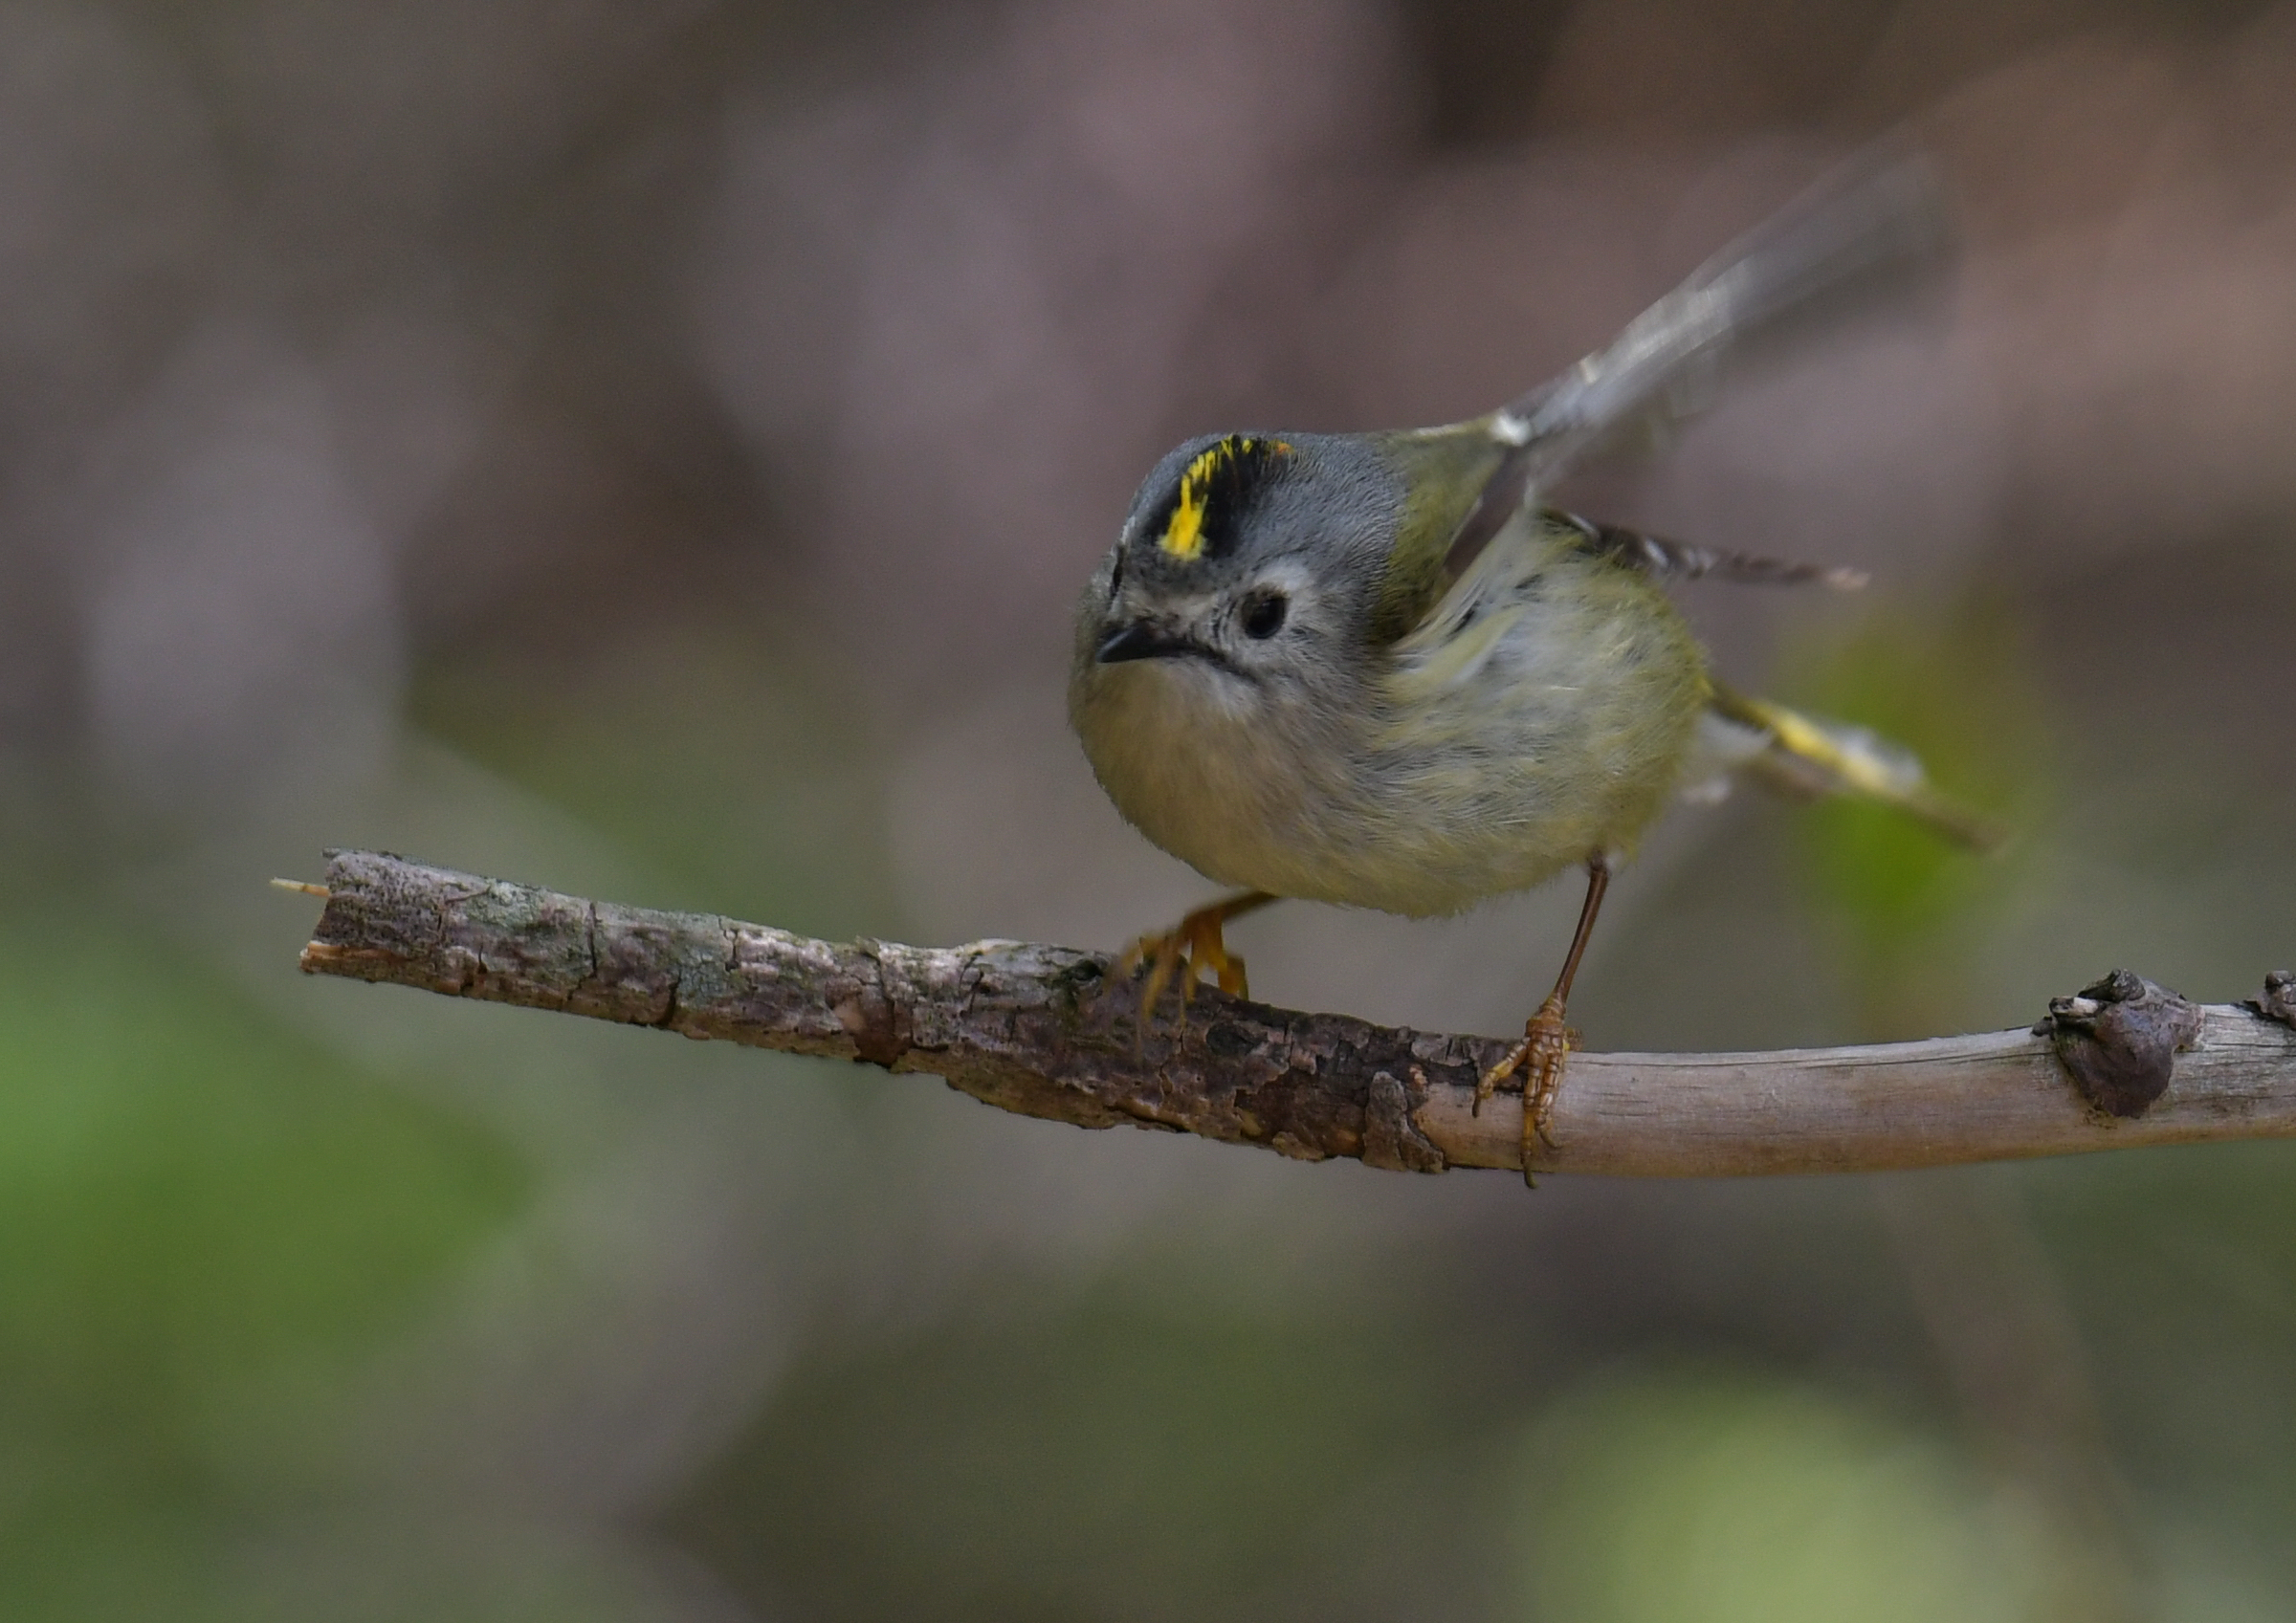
point(1803, 756)
point(1875, 222)
point(1664, 559)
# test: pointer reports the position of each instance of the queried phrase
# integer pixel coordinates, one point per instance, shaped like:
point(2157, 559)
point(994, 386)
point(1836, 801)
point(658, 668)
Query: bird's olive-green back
point(1442, 473)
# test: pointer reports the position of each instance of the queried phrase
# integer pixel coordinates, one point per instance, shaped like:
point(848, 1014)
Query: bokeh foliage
point(208, 1226)
point(1956, 687)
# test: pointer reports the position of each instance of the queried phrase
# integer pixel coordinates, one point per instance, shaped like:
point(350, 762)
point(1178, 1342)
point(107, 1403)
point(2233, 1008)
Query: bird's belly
point(1560, 738)
point(1450, 822)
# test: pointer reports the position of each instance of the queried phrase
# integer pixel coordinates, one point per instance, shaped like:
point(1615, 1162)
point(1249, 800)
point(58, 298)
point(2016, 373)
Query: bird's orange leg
point(1191, 952)
point(1546, 1039)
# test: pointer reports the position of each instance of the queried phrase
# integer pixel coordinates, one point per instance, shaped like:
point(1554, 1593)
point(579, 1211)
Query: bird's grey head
point(1252, 558)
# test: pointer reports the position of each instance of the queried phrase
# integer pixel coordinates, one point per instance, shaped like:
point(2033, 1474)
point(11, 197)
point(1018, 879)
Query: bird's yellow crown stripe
point(1183, 531)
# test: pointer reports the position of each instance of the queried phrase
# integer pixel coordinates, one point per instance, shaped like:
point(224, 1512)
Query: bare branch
point(1048, 1031)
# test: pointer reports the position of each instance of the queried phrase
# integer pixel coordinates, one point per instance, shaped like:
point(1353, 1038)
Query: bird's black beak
point(1140, 640)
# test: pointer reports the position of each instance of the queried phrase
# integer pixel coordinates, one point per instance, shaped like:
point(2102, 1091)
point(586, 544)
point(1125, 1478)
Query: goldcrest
point(1376, 670)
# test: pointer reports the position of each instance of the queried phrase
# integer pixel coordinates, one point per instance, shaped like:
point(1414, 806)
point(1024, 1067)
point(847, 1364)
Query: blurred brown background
point(652, 451)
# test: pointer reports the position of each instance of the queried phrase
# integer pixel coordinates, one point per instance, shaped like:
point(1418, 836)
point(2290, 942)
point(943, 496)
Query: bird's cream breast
point(1190, 758)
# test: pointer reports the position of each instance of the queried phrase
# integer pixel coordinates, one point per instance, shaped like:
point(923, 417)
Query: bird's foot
point(1187, 954)
point(1539, 1056)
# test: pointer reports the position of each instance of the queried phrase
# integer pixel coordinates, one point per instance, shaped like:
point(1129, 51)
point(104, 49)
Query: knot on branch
point(2118, 1039)
point(2279, 1001)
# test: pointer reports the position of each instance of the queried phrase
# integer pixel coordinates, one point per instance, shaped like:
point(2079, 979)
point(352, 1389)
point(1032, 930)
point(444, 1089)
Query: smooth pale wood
point(1996, 1096)
point(1051, 1032)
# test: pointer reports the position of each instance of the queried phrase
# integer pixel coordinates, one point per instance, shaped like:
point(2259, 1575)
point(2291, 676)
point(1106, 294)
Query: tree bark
point(1053, 1032)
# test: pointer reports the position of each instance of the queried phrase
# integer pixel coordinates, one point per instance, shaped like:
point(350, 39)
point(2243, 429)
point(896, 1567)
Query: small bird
point(1376, 670)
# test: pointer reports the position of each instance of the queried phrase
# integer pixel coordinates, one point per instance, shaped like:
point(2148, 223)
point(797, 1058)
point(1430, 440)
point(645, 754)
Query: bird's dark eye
point(1264, 614)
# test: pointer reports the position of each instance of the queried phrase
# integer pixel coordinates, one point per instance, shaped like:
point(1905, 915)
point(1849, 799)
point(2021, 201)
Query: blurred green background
point(652, 451)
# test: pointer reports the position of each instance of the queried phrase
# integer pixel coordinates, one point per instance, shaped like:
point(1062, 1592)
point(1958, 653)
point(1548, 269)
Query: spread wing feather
point(1805, 756)
point(1877, 222)
point(1664, 559)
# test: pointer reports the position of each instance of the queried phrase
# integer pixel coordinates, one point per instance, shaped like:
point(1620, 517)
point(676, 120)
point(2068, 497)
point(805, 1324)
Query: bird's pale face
point(1224, 586)
point(1240, 640)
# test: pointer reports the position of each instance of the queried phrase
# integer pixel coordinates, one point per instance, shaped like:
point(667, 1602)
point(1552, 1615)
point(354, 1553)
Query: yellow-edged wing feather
point(1804, 755)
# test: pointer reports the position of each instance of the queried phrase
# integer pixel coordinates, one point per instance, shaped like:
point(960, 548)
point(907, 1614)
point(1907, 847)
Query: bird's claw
point(1186, 953)
point(1539, 1056)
